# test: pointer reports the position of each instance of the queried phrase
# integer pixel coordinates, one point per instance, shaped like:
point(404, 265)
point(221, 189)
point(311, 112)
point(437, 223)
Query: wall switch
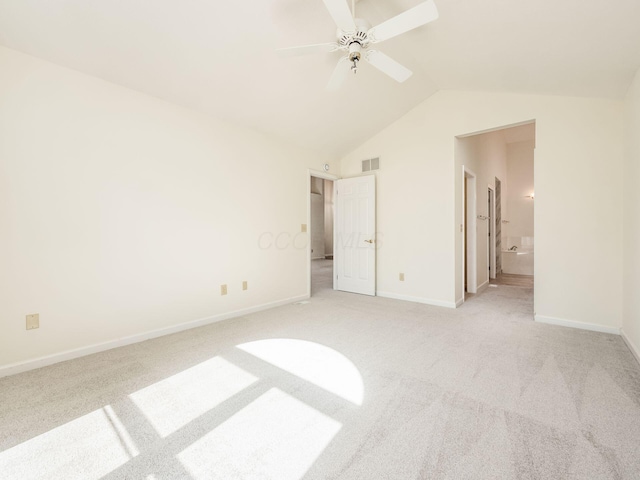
point(303, 227)
point(402, 277)
point(33, 321)
point(223, 289)
point(245, 285)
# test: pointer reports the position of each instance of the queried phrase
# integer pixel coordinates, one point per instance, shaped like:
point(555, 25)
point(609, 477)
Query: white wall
point(578, 151)
point(121, 213)
point(631, 323)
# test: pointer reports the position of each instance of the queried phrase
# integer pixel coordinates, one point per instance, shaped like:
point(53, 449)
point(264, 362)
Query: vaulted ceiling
point(219, 57)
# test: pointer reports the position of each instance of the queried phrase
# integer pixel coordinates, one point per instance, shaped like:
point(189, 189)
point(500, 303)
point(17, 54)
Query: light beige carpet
point(345, 387)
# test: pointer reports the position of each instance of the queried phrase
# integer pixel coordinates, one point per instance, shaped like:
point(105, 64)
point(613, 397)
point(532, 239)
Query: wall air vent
point(371, 164)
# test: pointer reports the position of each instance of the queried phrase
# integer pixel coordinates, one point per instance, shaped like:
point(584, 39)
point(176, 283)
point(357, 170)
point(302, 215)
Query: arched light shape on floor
point(313, 362)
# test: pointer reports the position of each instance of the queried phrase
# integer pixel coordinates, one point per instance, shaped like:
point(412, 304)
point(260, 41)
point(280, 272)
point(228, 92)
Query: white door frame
point(325, 176)
point(492, 229)
point(469, 218)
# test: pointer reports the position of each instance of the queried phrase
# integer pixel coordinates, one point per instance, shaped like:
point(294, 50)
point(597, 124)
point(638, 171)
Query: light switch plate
point(245, 285)
point(223, 289)
point(303, 227)
point(33, 321)
point(402, 277)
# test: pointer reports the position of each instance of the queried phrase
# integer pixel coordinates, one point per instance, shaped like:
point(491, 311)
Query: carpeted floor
point(344, 386)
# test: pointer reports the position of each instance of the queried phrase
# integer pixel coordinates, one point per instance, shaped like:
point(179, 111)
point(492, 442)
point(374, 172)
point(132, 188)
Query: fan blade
point(414, 17)
point(388, 65)
point(308, 49)
point(339, 11)
point(339, 74)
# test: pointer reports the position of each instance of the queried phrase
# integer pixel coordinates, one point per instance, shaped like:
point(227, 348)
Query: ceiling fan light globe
point(355, 50)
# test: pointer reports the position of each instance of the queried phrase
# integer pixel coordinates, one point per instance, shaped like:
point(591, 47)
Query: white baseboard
point(482, 287)
point(27, 365)
point(634, 349)
point(459, 302)
point(575, 324)
point(408, 298)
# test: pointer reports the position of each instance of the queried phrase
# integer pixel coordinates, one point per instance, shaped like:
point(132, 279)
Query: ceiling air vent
point(371, 164)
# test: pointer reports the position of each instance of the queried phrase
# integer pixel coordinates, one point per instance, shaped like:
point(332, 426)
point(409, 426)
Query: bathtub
point(519, 262)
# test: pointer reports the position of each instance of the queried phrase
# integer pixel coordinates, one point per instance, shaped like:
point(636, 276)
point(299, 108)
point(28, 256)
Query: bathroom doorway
point(503, 222)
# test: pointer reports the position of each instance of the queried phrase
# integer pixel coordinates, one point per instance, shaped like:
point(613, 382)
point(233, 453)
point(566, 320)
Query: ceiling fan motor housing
point(356, 41)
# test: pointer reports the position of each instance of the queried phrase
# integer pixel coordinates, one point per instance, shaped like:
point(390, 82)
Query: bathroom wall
point(519, 202)
point(519, 231)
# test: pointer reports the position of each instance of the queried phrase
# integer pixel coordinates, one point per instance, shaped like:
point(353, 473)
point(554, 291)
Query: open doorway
point(321, 233)
point(502, 192)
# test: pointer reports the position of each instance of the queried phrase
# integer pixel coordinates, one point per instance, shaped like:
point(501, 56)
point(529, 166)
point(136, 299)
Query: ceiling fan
point(355, 37)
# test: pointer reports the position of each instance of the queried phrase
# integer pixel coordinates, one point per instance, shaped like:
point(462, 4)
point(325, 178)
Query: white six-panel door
point(355, 228)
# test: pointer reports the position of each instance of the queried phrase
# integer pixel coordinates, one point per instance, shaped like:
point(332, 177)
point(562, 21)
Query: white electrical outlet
point(223, 289)
point(245, 285)
point(33, 321)
point(402, 277)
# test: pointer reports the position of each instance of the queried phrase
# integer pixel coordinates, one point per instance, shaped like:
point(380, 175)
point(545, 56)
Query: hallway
point(513, 280)
point(321, 273)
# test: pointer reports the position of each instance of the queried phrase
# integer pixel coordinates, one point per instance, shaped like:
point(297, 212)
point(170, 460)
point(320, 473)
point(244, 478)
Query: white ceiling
point(219, 56)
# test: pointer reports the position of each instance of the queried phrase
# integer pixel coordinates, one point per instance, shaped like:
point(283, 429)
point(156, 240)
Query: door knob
point(369, 241)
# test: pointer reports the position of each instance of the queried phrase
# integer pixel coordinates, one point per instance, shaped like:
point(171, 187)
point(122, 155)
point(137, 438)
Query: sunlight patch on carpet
point(86, 448)
point(177, 400)
point(274, 437)
point(313, 362)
